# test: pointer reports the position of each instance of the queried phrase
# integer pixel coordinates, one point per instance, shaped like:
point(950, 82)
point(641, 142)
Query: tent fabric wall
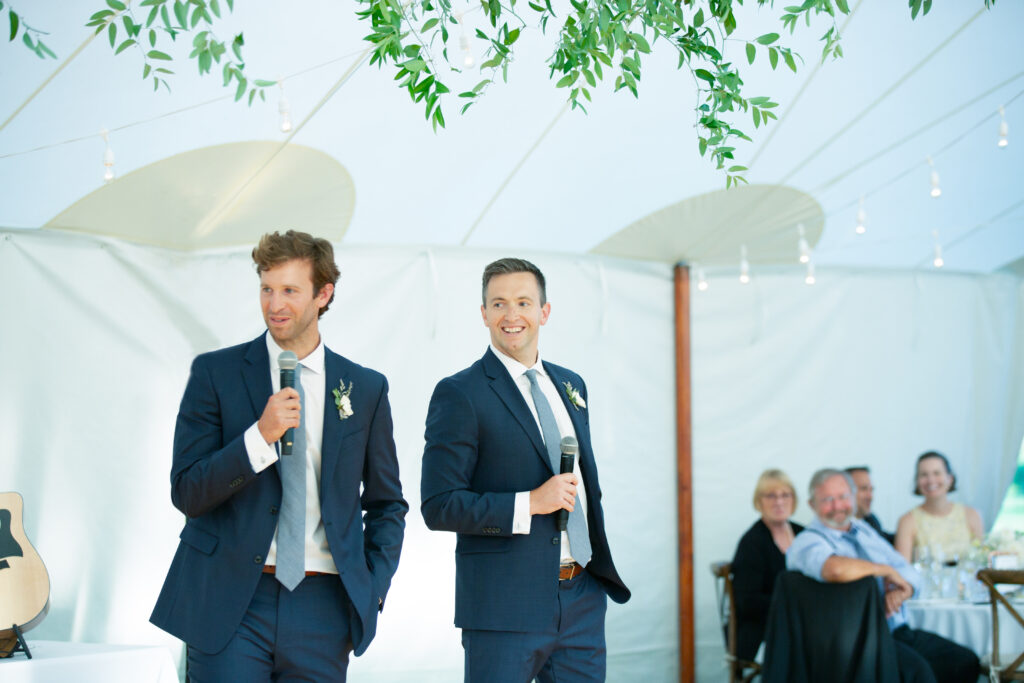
point(864, 367)
point(97, 353)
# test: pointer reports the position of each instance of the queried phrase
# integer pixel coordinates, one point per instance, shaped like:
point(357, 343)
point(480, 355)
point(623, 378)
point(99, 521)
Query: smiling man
point(530, 598)
point(838, 548)
point(285, 558)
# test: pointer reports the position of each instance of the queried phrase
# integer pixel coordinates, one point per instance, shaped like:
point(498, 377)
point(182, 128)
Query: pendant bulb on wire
point(937, 259)
point(809, 278)
point(108, 157)
point(803, 249)
point(861, 218)
point(468, 60)
point(702, 280)
point(1004, 129)
point(284, 110)
point(933, 180)
point(744, 266)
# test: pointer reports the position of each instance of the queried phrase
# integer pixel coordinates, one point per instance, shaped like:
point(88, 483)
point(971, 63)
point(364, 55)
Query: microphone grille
point(569, 445)
point(287, 360)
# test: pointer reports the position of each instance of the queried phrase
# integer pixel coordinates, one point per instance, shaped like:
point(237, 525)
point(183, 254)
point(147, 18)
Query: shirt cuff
point(261, 454)
point(521, 516)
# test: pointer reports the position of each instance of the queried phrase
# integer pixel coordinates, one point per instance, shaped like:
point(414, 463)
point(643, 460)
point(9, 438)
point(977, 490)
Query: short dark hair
point(506, 266)
point(945, 461)
point(858, 468)
point(275, 249)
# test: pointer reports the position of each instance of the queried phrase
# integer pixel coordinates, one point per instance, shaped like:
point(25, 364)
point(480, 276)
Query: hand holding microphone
point(283, 410)
point(569, 447)
point(287, 362)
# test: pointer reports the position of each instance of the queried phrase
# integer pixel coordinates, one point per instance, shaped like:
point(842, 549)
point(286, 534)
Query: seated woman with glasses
point(938, 528)
point(760, 556)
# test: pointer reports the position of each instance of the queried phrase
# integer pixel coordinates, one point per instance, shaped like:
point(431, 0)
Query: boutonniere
point(574, 396)
point(342, 401)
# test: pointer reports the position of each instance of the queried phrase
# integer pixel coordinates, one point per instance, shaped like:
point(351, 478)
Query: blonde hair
point(767, 479)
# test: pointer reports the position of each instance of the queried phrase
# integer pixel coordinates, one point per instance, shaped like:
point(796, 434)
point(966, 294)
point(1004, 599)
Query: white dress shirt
point(521, 518)
point(262, 455)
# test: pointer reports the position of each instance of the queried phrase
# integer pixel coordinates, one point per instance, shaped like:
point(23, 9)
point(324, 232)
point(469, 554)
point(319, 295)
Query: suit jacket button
point(497, 530)
point(555, 540)
point(258, 559)
point(273, 509)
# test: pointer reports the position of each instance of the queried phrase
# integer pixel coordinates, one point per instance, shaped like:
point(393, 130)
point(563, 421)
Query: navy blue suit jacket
point(482, 446)
point(232, 511)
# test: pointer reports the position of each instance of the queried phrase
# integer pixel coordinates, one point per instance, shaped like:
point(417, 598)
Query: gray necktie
point(579, 538)
point(291, 525)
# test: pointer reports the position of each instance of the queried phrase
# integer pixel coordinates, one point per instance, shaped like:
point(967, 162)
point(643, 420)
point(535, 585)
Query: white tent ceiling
point(521, 171)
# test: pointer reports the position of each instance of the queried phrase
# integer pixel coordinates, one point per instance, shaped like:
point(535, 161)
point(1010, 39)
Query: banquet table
point(967, 623)
point(59, 662)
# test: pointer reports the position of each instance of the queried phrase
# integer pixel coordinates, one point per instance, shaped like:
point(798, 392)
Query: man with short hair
point(287, 554)
point(838, 548)
point(865, 495)
point(530, 599)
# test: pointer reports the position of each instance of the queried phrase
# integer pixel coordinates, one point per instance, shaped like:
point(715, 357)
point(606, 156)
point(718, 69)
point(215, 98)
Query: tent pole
point(684, 478)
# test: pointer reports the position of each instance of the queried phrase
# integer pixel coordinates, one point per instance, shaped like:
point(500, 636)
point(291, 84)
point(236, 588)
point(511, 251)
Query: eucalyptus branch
point(29, 35)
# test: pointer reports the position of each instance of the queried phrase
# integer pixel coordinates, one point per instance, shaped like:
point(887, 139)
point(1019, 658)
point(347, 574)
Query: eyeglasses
point(778, 495)
point(831, 500)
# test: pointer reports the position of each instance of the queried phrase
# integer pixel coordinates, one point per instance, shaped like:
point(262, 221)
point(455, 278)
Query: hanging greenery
point(594, 40)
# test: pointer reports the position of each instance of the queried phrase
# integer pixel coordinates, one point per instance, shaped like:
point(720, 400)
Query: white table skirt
point(59, 662)
point(968, 624)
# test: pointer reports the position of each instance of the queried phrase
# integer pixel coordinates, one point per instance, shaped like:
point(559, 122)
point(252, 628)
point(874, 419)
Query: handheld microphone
point(569, 447)
point(287, 362)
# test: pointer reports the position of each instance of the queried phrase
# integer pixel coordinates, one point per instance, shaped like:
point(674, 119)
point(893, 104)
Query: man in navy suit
point(530, 599)
point(248, 508)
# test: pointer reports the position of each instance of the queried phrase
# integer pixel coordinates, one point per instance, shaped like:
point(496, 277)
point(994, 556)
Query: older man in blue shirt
point(837, 548)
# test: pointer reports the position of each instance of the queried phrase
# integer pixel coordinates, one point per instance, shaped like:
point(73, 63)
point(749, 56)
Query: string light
point(810, 274)
point(108, 157)
point(936, 191)
point(1004, 129)
point(937, 260)
point(702, 281)
point(744, 265)
point(467, 50)
point(283, 109)
point(802, 247)
point(861, 218)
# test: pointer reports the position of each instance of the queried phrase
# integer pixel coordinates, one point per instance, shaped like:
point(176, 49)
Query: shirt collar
point(857, 526)
point(514, 367)
point(314, 362)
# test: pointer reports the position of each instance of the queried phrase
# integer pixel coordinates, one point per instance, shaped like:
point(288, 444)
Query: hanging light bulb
point(936, 191)
point(809, 279)
point(1004, 129)
point(283, 109)
point(108, 157)
point(702, 281)
point(744, 265)
point(937, 260)
point(467, 50)
point(861, 218)
point(801, 245)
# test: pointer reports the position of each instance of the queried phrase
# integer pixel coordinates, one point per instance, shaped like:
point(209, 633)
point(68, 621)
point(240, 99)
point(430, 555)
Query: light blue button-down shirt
point(815, 544)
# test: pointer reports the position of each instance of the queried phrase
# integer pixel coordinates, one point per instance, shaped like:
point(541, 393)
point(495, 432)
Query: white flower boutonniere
point(342, 401)
point(574, 396)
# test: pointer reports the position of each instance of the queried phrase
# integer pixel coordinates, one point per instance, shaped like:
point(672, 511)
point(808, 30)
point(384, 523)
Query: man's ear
point(324, 295)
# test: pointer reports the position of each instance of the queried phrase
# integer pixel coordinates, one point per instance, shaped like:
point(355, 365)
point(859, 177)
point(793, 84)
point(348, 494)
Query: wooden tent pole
point(684, 476)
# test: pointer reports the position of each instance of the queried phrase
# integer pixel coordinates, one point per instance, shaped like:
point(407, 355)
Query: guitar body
point(24, 582)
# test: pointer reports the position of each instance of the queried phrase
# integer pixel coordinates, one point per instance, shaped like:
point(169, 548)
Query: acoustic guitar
point(24, 582)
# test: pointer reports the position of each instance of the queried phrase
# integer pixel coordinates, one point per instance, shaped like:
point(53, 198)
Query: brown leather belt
point(269, 569)
point(569, 571)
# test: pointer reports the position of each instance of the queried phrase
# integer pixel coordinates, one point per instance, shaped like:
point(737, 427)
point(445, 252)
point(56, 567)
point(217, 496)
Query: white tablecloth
point(968, 624)
point(58, 662)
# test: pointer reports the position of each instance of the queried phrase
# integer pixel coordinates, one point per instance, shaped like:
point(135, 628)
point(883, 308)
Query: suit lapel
point(336, 370)
point(578, 417)
point(256, 374)
point(508, 392)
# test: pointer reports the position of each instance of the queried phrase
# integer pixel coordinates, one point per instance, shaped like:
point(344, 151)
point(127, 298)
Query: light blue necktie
point(579, 538)
point(291, 526)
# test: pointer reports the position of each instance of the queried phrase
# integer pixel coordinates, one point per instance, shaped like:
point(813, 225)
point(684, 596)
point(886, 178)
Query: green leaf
point(751, 53)
point(112, 33)
point(590, 78)
point(181, 13)
point(640, 42)
point(705, 75)
point(146, 68)
point(216, 11)
point(152, 38)
point(124, 46)
point(843, 7)
point(116, 5)
point(773, 57)
point(47, 50)
point(737, 169)
point(788, 56)
point(260, 83)
point(14, 25)
point(156, 54)
point(768, 38)
point(240, 91)
point(756, 113)
point(567, 80)
point(414, 65)
point(431, 23)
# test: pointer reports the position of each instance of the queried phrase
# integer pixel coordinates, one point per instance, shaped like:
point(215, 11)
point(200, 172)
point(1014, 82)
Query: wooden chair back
point(1014, 671)
point(738, 668)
